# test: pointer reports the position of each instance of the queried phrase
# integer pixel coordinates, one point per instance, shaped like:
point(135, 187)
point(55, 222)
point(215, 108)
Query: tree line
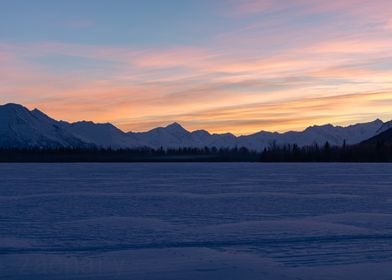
point(379, 152)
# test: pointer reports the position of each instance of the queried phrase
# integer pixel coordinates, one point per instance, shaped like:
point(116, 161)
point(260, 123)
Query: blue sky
point(142, 23)
point(228, 65)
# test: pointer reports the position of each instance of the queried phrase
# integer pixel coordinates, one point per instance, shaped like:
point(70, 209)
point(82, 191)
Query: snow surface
point(196, 221)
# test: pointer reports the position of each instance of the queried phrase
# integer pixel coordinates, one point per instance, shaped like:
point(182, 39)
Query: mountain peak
point(11, 110)
point(39, 114)
point(13, 106)
point(319, 127)
point(175, 127)
point(383, 126)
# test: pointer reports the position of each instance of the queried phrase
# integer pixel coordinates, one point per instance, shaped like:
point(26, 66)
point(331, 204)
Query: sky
point(237, 66)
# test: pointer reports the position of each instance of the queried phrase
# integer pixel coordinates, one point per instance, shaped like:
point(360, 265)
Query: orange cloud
point(276, 116)
point(242, 83)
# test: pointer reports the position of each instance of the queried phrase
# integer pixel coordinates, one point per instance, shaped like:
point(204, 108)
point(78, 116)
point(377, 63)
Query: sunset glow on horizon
point(224, 66)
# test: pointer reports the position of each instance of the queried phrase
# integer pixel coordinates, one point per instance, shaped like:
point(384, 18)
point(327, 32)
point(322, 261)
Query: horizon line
point(173, 123)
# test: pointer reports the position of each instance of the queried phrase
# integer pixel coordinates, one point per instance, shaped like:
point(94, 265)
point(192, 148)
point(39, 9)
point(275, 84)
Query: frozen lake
point(196, 221)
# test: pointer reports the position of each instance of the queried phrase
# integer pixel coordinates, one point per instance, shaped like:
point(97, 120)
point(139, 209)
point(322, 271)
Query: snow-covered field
point(196, 221)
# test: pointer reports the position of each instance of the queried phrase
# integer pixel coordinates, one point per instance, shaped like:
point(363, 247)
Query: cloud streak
point(245, 79)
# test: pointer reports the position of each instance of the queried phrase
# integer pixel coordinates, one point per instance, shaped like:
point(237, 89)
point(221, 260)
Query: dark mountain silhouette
point(384, 138)
point(22, 128)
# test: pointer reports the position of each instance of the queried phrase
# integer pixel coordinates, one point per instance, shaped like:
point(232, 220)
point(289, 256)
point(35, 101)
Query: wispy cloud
point(280, 71)
point(277, 116)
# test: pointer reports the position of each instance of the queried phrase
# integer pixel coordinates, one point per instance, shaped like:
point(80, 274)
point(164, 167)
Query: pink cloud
point(175, 57)
point(4, 56)
point(388, 24)
point(147, 86)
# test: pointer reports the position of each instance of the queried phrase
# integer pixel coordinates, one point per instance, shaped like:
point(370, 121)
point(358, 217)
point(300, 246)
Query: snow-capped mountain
point(102, 135)
point(172, 136)
point(175, 136)
point(21, 128)
point(335, 135)
point(386, 126)
point(384, 137)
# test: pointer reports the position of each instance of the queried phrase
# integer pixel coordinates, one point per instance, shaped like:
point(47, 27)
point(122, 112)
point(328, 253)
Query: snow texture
point(196, 221)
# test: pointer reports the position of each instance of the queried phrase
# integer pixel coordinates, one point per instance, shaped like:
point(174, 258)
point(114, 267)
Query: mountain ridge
point(383, 138)
point(22, 128)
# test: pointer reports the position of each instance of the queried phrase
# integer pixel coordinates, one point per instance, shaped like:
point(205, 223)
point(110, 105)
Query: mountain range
point(22, 128)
